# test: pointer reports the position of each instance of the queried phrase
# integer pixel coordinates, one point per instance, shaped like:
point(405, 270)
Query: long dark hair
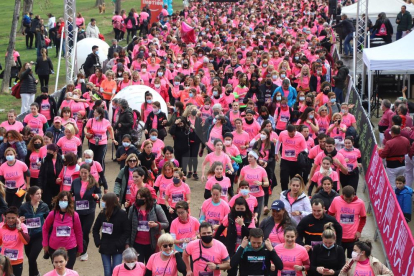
point(70, 210)
point(286, 221)
point(304, 115)
point(111, 203)
point(266, 142)
point(241, 201)
point(146, 194)
point(31, 191)
point(91, 180)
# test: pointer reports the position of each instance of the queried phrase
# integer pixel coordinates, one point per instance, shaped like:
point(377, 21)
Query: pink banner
point(396, 235)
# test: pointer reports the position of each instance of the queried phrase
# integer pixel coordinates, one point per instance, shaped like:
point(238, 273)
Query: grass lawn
point(56, 8)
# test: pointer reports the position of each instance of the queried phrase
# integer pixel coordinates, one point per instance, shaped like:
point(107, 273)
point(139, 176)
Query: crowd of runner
point(258, 89)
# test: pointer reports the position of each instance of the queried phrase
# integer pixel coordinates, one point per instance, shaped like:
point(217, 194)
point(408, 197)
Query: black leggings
point(71, 256)
point(193, 162)
point(44, 80)
point(29, 39)
point(99, 152)
point(182, 158)
point(350, 179)
point(86, 222)
point(117, 32)
point(131, 32)
point(144, 250)
point(12, 199)
point(32, 250)
point(17, 269)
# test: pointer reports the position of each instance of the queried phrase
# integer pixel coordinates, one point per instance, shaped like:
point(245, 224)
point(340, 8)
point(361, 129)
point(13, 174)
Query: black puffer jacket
point(43, 67)
point(28, 82)
point(126, 119)
point(181, 138)
point(327, 198)
point(340, 77)
point(112, 243)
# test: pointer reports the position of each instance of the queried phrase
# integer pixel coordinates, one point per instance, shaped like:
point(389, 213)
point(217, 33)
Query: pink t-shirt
point(67, 175)
point(176, 194)
point(68, 272)
point(84, 185)
point(337, 134)
point(323, 124)
point(215, 133)
point(252, 129)
point(252, 175)
point(216, 254)
point(35, 158)
point(159, 267)
point(290, 257)
point(224, 183)
point(321, 155)
point(282, 118)
point(348, 119)
point(241, 139)
point(238, 229)
point(17, 126)
point(12, 246)
point(317, 177)
point(276, 236)
point(223, 158)
point(215, 212)
point(251, 201)
point(75, 107)
point(69, 145)
point(14, 175)
point(311, 132)
point(162, 183)
point(188, 230)
point(139, 270)
point(99, 129)
point(232, 150)
point(157, 147)
point(292, 146)
point(348, 215)
point(364, 268)
point(45, 109)
point(351, 158)
point(35, 123)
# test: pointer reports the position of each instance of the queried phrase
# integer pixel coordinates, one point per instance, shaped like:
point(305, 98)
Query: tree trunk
point(12, 42)
point(118, 6)
point(27, 7)
point(99, 2)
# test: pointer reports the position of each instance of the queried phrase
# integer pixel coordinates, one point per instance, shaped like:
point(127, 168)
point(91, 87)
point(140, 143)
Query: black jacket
point(35, 25)
point(75, 190)
point(43, 67)
point(231, 237)
point(28, 82)
point(311, 229)
point(133, 22)
point(313, 82)
point(53, 105)
point(26, 210)
point(3, 207)
point(112, 243)
point(262, 89)
point(90, 64)
point(112, 50)
point(259, 95)
point(327, 198)
point(126, 119)
point(347, 26)
point(160, 127)
point(196, 135)
point(333, 258)
point(181, 138)
point(406, 21)
point(340, 77)
point(47, 178)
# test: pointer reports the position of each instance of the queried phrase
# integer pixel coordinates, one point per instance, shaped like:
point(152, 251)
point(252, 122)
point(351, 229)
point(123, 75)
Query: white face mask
point(227, 142)
point(130, 265)
point(263, 137)
point(323, 171)
point(355, 256)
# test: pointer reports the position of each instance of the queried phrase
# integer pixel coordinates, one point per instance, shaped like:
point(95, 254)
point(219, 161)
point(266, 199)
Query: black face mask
point(308, 103)
point(215, 113)
point(140, 202)
point(194, 112)
point(176, 180)
point(326, 91)
point(240, 213)
point(44, 97)
point(49, 155)
point(268, 82)
point(207, 239)
point(37, 146)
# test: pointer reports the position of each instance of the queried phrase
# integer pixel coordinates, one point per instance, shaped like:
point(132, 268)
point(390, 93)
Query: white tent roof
point(396, 56)
point(375, 7)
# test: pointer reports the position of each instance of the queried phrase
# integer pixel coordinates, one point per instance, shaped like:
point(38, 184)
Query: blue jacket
point(291, 97)
point(404, 199)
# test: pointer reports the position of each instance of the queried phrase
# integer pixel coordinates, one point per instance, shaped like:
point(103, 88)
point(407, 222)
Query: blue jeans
point(347, 44)
point(339, 94)
point(399, 35)
point(108, 265)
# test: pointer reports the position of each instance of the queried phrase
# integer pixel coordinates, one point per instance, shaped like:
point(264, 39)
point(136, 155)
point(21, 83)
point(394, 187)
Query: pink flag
point(187, 33)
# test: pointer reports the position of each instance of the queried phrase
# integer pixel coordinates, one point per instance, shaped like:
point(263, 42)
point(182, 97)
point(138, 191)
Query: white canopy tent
point(397, 57)
point(375, 7)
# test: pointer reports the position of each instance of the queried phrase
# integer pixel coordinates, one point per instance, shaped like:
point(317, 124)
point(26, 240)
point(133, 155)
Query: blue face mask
point(244, 192)
point(88, 160)
point(97, 53)
point(167, 254)
point(310, 116)
point(333, 100)
point(1, 138)
point(103, 204)
point(10, 157)
point(153, 138)
point(63, 204)
point(328, 247)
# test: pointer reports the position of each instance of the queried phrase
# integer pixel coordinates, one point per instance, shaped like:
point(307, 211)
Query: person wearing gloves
point(113, 224)
point(86, 192)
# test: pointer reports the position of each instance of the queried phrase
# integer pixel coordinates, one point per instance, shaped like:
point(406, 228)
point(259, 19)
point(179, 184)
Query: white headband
point(254, 154)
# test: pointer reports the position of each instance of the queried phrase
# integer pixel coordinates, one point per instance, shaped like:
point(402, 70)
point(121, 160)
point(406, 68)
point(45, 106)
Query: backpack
point(129, 24)
point(382, 30)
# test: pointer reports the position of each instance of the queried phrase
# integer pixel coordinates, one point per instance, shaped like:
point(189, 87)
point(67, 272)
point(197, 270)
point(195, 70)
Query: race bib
point(34, 130)
point(338, 139)
point(107, 228)
point(290, 153)
point(254, 189)
point(347, 218)
point(34, 166)
point(284, 118)
point(45, 107)
point(128, 191)
point(11, 254)
point(238, 240)
point(177, 197)
point(67, 180)
point(350, 167)
point(213, 222)
point(97, 137)
point(63, 231)
point(10, 184)
point(82, 205)
point(288, 273)
point(33, 222)
point(143, 226)
point(205, 273)
point(315, 243)
point(274, 244)
point(322, 130)
point(224, 191)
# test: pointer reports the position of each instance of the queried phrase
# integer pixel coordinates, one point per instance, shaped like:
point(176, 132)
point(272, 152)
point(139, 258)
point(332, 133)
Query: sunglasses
point(132, 161)
point(167, 245)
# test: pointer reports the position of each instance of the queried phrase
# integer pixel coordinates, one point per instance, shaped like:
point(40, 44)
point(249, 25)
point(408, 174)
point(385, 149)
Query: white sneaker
point(84, 257)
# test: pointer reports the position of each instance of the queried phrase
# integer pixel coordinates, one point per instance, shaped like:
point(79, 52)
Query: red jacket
point(62, 24)
point(395, 150)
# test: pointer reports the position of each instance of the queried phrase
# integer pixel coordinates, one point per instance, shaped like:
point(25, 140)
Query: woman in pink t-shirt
point(162, 182)
point(308, 119)
point(325, 170)
point(214, 209)
point(59, 261)
point(34, 157)
point(146, 107)
point(220, 155)
point(176, 192)
point(323, 119)
point(35, 120)
point(14, 174)
point(130, 265)
point(215, 176)
point(295, 257)
point(167, 259)
point(69, 172)
point(353, 162)
point(337, 131)
point(69, 142)
point(185, 227)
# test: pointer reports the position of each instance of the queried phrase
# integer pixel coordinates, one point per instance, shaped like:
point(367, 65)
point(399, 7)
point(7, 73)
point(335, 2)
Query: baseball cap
point(57, 119)
point(278, 205)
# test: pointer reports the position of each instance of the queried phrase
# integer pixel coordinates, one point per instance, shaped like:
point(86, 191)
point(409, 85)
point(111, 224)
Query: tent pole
point(369, 92)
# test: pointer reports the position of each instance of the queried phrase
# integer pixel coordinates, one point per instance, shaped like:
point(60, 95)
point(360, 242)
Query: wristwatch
point(217, 267)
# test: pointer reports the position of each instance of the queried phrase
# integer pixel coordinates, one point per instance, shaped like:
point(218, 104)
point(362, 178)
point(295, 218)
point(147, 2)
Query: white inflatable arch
point(135, 95)
point(84, 48)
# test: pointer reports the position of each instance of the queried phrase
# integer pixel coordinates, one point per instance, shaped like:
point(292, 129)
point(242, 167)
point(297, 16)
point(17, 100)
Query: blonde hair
point(70, 127)
point(335, 115)
point(165, 238)
point(2, 191)
point(329, 231)
point(43, 52)
point(299, 178)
